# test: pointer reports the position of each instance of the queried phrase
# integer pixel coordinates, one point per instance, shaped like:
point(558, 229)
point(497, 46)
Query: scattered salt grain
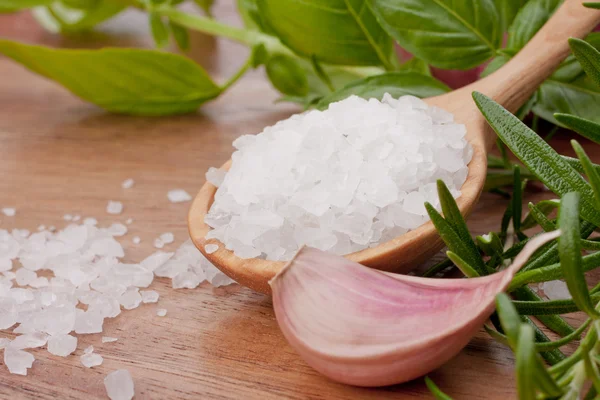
point(149, 296)
point(159, 244)
point(341, 180)
point(215, 176)
point(119, 385)
point(29, 341)
point(186, 280)
point(127, 183)
point(88, 350)
point(129, 221)
point(24, 276)
point(555, 290)
point(90, 360)
point(178, 196)
point(62, 345)
point(131, 299)
point(88, 321)
point(167, 238)
point(136, 240)
point(68, 217)
point(117, 229)
point(155, 260)
point(211, 248)
point(4, 342)
point(90, 221)
point(17, 361)
point(114, 207)
point(161, 312)
point(76, 218)
point(41, 228)
point(108, 339)
point(9, 212)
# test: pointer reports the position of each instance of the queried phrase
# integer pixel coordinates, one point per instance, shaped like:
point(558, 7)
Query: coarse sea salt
point(178, 196)
point(119, 385)
point(127, 183)
point(114, 207)
point(9, 211)
point(341, 180)
point(108, 339)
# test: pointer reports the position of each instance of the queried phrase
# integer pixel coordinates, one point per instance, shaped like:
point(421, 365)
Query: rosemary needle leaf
point(551, 307)
point(435, 391)
point(517, 199)
point(464, 267)
point(591, 173)
point(584, 127)
point(541, 219)
point(588, 57)
point(545, 207)
point(509, 318)
point(525, 363)
point(544, 346)
point(569, 248)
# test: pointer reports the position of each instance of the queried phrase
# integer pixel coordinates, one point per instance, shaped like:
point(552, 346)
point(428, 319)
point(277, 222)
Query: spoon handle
point(515, 82)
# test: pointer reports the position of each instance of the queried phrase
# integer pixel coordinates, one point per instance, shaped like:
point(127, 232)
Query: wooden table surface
point(60, 155)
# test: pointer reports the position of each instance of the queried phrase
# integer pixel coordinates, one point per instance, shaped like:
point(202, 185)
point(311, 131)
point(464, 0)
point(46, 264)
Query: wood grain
point(59, 155)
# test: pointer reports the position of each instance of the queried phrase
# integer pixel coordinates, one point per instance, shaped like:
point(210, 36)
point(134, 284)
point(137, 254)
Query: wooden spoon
point(510, 86)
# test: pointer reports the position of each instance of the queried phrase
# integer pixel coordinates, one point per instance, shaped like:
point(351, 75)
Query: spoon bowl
point(510, 86)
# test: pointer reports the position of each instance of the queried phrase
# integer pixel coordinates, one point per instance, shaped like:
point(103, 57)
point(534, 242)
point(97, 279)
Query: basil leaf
point(529, 20)
point(444, 33)
point(569, 250)
point(205, 5)
point(538, 156)
point(130, 81)
point(181, 36)
point(395, 83)
point(584, 127)
point(416, 65)
point(335, 31)
point(15, 5)
point(287, 75)
point(248, 10)
point(507, 10)
point(588, 57)
point(58, 17)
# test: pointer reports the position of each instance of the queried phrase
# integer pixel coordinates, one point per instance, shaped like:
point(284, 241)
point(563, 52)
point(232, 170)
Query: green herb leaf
point(15, 5)
point(205, 5)
point(336, 32)
point(507, 10)
point(525, 363)
point(543, 346)
point(584, 127)
point(248, 10)
point(551, 307)
point(588, 57)
point(452, 214)
point(538, 156)
point(592, 5)
point(491, 244)
point(553, 322)
point(446, 34)
point(435, 391)
point(569, 249)
point(130, 81)
point(437, 268)
point(159, 30)
point(59, 17)
point(464, 267)
point(287, 76)
point(509, 318)
point(543, 208)
point(415, 64)
point(181, 36)
point(395, 83)
point(540, 218)
point(588, 167)
point(320, 72)
point(517, 199)
point(529, 20)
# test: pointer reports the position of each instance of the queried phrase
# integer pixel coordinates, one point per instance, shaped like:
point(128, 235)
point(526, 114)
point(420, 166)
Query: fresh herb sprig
point(328, 53)
point(577, 183)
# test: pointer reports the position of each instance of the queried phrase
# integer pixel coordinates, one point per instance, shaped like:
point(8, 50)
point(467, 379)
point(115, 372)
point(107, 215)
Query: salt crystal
point(161, 312)
point(62, 345)
point(127, 183)
point(119, 385)
point(88, 322)
point(156, 260)
point(167, 238)
point(129, 221)
point(17, 361)
point(68, 217)
point(9, 212)
point(88, 349)
point(29, 341)
point(341, 180)
point(114, 207)
point(117, 229)
point(41, 228)
point(39, 282)
point(76, 218)
point(178, 196)
point(211, 248)
point(159, 244)
point(90, 221)
point(136, 240)
point(186, 280)
point(149, 296)
point(108, 339)
point(130, 299)
point(24, 276)
point(4, 342)
point(90, 360)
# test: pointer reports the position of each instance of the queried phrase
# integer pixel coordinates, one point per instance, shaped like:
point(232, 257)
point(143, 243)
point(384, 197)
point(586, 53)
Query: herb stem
point(238, 74)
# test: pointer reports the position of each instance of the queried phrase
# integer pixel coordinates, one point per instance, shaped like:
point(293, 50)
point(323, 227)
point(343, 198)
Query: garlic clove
point(365, 327)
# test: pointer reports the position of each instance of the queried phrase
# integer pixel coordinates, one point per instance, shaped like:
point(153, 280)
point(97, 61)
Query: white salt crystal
point(88, 322)
point(211, 248)
point(41, 228)
point(90, 360)
point(130, 299)
point(114, 207)
point(129, 221)
point(68, 217)
point(341, 180)
point(555, 290)
point(119, 385)
point(5, 264)
point(9, 212)
point(24, 276)
point(39, 282)
point(136, 240)
point(17, 361)
point(29, 341)
point(117, 229)
point(127, 183)
point(108, 339)
point(62, 345)
point(88, 349)
point(76, 218)
point(215, 176)
point(167, 238)
point(159, 244)
point(186, 280)
point(4, 342)
point(161, 312)
point(149, 296)
point(155, 260)
point(8, 312)
point(178, 196)
point(90, 221)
